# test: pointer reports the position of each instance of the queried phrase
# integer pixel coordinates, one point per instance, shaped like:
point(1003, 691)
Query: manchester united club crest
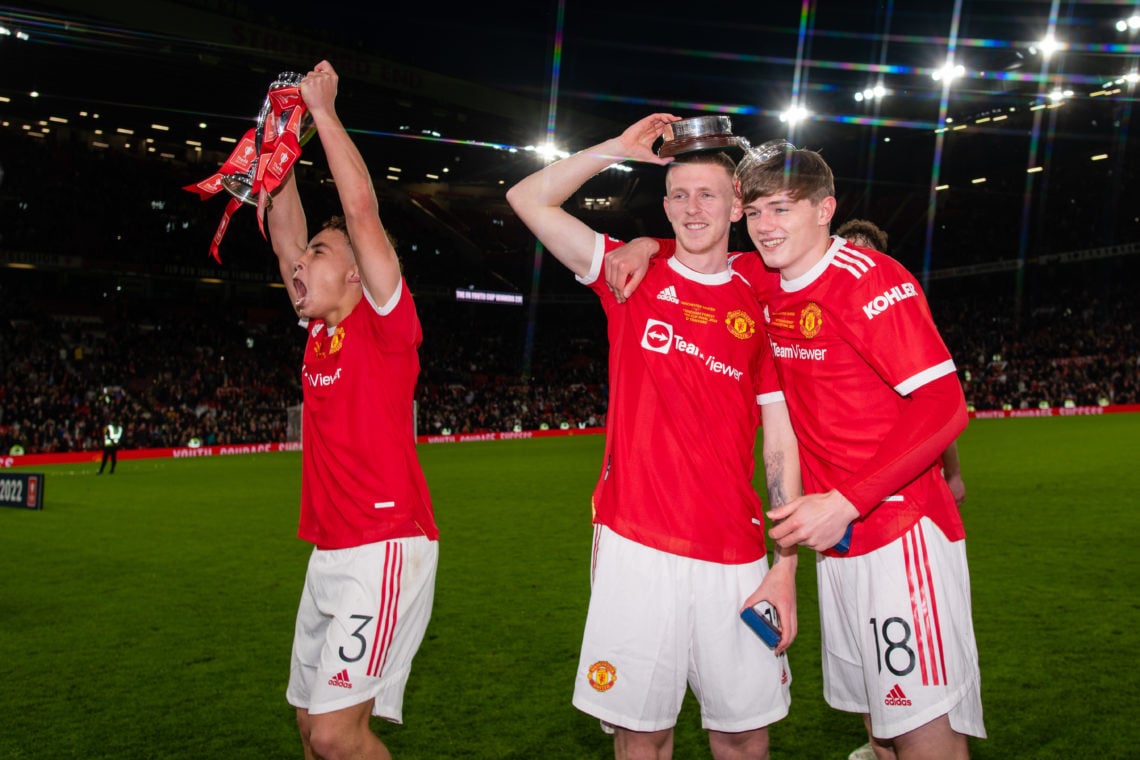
point(811, 320)
point(740, 324)
point(602, 676)
point(335, 341)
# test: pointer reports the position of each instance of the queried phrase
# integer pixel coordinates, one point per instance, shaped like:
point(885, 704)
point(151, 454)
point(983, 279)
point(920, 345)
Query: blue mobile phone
point(761, 618)
point(845, 542)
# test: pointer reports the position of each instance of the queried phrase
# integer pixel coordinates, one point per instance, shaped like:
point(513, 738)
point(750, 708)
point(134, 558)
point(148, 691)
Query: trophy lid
point(697, 133)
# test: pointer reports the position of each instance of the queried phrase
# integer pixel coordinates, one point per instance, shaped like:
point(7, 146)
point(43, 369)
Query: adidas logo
point(896, 698)
point(668, 294)
point(341, 680)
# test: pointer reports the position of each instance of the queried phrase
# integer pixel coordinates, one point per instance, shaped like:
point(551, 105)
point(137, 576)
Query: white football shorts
point(658, 621)
point(898, 634)
point(362, 616)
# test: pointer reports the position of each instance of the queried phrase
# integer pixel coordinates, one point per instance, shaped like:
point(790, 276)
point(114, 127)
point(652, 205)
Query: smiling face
point(701, 204)
point(789, 199)
point(325, 279)
point(791, 235)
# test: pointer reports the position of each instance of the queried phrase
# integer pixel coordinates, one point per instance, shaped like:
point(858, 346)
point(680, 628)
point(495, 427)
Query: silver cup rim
point(700, 126)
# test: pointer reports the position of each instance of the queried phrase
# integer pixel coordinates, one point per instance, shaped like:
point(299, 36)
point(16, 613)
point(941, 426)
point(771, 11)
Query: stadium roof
point(458, 91)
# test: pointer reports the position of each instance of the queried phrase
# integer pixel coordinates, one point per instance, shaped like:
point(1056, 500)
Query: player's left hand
point(816, 520)
point(626, 266)
point(957, 488)
point(779, 589)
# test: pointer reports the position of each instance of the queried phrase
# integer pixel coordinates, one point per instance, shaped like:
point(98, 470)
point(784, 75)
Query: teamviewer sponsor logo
point(658, 336)
point(319, 380)
point(341, 680)
point(896, 698)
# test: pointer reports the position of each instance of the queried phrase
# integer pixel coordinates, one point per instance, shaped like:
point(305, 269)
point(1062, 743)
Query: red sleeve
point(931, 418)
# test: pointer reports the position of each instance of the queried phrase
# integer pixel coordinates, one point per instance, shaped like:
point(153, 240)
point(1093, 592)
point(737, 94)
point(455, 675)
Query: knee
point(331, 742)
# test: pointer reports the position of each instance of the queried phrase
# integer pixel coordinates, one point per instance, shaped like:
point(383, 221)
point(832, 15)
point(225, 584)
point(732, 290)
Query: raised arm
point(287, 230)
point(375, 257)
point(538, 199)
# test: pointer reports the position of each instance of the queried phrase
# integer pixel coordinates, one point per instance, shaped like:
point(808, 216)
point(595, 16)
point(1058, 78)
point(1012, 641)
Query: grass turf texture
point(149, 614)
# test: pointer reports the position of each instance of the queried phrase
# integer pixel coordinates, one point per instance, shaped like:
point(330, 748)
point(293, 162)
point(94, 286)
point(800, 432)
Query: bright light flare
point(1047, 46)
point(548, 152)
point(794, 114)
point(949, 71)
point(1124, 24)
point(878, 92)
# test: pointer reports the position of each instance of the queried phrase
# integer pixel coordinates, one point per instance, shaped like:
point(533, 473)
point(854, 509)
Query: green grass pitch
point(149, 614)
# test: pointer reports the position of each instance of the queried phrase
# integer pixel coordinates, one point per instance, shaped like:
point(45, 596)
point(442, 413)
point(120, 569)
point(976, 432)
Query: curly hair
point(861, 228)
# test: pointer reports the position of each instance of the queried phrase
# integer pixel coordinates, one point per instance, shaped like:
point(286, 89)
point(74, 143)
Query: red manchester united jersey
point(361, 480)
point(850, 339)
point(688, 365)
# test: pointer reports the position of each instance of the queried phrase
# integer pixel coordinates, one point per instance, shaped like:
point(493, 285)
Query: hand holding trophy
point(263, 156)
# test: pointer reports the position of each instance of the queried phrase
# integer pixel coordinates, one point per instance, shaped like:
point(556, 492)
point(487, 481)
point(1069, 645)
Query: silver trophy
point(754, 156)
point(699, 133)
point(240, 185)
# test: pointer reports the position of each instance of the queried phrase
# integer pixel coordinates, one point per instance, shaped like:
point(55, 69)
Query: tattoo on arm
point(774, 475)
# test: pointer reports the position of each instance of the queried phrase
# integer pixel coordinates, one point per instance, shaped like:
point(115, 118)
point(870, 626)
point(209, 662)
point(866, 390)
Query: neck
point(705, 262)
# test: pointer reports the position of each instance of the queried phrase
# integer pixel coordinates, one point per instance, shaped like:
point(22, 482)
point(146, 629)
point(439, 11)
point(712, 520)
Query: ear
point(737, 207)
point(353, 275)
point(826, 211)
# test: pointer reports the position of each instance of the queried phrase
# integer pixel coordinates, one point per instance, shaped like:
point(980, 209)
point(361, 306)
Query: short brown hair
point(864, 229)
point(713, 157)
point(800, 172)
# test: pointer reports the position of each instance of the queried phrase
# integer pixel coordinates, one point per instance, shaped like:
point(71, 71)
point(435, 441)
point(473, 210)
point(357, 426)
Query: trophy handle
point(240, 186)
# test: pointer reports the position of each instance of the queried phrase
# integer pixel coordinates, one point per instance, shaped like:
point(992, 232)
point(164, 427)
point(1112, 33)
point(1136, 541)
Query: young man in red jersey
point(874, 400)
point(364, 501)
point(679, 546)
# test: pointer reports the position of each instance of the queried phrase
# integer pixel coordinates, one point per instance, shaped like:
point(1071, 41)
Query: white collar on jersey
point(716, 278)
point(811, 275)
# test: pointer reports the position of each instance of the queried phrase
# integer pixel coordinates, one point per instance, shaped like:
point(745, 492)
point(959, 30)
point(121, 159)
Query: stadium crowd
point(175, 362)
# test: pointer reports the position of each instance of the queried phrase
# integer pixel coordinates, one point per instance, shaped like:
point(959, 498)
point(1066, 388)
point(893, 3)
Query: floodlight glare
point(950, 71)
point(1048, 46)
point(794, 114)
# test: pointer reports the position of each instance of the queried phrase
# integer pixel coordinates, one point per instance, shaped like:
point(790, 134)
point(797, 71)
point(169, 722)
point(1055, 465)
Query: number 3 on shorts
point(357, 635)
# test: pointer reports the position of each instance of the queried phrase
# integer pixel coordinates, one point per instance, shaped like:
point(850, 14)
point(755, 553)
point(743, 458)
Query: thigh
point(634, 657)
point(372, 604)
point(898, 633)
point(740, 683)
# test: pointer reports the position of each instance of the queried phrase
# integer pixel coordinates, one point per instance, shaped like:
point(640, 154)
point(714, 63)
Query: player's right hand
point(637, 140)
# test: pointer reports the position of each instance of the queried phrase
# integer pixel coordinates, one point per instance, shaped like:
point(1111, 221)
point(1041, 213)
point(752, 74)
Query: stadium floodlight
point(1059, 95)
point(548, 152)
point(871, 93)
point(1131, 23)
point(1046, 46)
point(794, 114)
point(949, 71)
